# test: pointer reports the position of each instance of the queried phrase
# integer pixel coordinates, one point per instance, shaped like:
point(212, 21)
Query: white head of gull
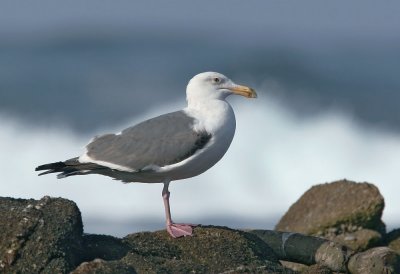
point(173, 146)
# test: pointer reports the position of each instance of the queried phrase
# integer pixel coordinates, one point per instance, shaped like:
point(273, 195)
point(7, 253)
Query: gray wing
point(161, 141)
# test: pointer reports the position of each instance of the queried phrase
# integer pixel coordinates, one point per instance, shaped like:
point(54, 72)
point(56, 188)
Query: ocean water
point(89, 78)
point(328, 91)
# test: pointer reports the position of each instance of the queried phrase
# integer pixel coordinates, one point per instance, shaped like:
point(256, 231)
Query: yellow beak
point(244, 91)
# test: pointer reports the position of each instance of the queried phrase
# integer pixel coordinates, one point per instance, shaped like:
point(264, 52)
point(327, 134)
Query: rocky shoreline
point(332, 228)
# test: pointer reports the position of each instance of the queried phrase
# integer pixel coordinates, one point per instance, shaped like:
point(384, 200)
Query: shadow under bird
point(169, 147)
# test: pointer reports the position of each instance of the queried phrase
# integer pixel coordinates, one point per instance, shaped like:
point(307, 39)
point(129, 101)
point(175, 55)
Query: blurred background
point(327, 75)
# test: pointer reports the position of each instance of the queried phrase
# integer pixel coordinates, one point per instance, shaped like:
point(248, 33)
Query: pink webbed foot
point(175, 230)
point(180, 230)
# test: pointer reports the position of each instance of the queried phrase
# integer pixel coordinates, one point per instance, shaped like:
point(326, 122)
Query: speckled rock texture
point(375, 261)
point(210, 250)
point(39, 236)
point(99, 266)
point(46, 236)
point(348, 214)
point(338, 207)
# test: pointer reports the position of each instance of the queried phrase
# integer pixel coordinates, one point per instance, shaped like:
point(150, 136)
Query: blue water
point(88, 64)
point(70, 69)
point(85, 79)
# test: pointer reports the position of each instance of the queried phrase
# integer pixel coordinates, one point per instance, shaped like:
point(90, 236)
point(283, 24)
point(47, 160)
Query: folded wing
point(161, 141)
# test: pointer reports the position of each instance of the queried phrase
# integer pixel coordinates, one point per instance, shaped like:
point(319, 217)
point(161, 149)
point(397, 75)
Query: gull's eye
point(216, 80)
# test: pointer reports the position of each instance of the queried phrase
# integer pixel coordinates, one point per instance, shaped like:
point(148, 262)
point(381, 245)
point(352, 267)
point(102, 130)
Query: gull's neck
point(211, 114)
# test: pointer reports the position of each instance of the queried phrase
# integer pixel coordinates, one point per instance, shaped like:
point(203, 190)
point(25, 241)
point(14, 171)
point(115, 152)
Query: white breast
point(218, 119)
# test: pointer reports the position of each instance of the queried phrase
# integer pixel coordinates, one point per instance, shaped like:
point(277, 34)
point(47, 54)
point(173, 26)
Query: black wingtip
point(68, 168)
point(47, 172)
point(55, 166)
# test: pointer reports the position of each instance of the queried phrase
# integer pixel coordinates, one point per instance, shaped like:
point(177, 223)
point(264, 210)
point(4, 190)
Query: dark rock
point(46, 236)
point(103, 247)
point(317, 269)
point(210, 250)
point(392, 239)
point(304, 269)
point(375, 261)
point(342, 205)
point(99, 266)
point(309, 250)
point(39, 236)
point(359, 240)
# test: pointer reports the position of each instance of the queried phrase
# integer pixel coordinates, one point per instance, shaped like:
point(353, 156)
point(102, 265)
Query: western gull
point(166, 148)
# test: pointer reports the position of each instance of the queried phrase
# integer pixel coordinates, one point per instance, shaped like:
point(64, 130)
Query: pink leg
point(175, 230)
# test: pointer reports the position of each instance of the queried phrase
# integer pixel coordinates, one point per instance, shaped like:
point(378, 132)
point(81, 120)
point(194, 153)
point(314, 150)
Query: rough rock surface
point(393, 240)
point(99, 266)
point(375, 261)
point(210, 250)
point(348, 214)
point(317, 269)
point(359, 240)
point(46, 236)
point(104, 247)
point(342, 205)
point(39, 236)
